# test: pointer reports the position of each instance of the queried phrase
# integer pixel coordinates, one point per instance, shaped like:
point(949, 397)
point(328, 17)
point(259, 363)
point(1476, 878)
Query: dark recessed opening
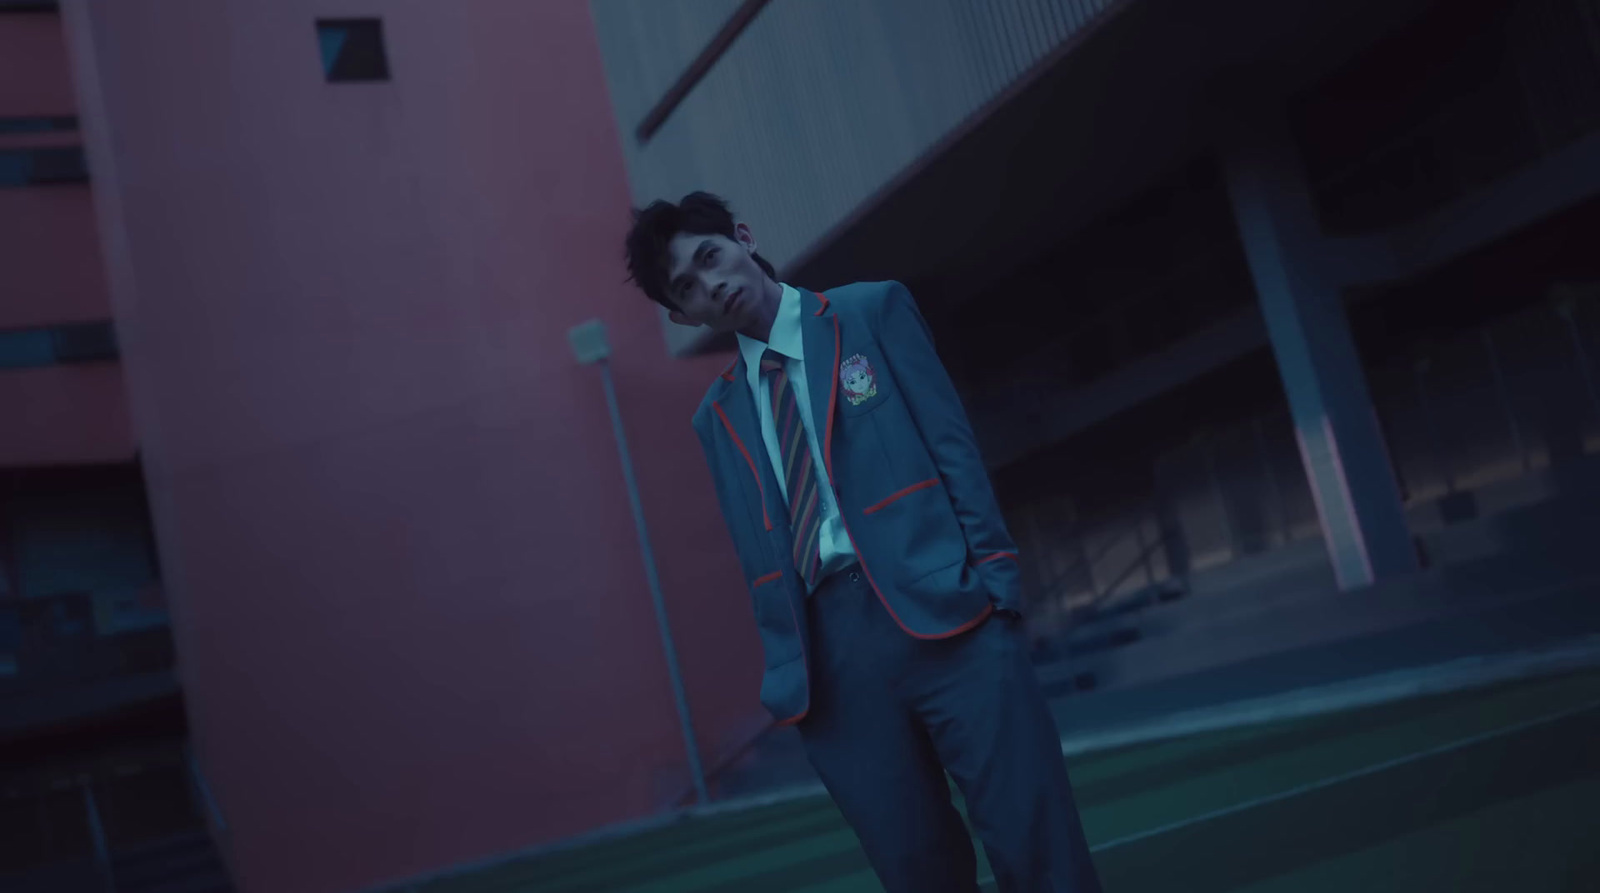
point(85, 342)
point(38, 124)
point(352, 49)
point(27, 6)
point(42, 167)
point(76, 343)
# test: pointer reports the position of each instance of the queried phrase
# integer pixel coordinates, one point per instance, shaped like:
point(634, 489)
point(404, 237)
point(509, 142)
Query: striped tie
point(800, 476)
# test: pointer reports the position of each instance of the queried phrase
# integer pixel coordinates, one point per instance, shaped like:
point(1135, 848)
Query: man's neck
point(766, 312)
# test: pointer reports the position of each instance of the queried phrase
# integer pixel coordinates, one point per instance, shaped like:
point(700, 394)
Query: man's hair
point(647, 247)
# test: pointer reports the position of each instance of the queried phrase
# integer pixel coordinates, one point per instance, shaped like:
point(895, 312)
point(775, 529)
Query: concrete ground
point(1265, 732)
point(1336, 652)
point(1490, 788)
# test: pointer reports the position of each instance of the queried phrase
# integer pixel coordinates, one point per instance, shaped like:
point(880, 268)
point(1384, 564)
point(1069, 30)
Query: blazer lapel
point(739, 408)
point(819, 334)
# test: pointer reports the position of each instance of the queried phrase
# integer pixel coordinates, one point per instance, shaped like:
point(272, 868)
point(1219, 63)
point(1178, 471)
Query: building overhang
point(1089, 128)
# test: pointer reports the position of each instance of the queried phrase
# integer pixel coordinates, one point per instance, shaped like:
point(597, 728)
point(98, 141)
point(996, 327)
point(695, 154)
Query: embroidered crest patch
point(860, 385)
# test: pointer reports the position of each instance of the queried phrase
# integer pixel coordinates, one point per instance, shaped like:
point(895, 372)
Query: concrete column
point(1298, 281)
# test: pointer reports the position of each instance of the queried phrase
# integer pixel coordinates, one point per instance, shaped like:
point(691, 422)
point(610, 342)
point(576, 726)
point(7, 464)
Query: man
point(884, 582)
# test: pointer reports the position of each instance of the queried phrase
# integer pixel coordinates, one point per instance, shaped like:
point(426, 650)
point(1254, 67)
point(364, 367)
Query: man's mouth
point(731, 300)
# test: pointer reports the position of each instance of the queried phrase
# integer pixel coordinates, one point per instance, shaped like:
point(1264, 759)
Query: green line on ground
point(1525, 844)
point(805, 846)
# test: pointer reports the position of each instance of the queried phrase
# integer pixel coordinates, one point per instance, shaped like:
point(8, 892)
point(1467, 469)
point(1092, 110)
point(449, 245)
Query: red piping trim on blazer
point(805, 666)
point(883, 504)
point(999, 555)
point(827, 453)
point(752, 463)
point(765, 579)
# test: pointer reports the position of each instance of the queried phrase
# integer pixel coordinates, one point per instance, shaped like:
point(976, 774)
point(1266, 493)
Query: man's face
point(714, 280)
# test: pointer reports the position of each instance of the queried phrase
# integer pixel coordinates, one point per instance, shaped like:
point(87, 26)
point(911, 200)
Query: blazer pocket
point(900, 494)
point(943, 580)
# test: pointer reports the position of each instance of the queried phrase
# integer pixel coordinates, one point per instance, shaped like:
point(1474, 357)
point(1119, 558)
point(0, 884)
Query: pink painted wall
point(48, 247)
point(50, 254)
point(34, 73)
point(65, 415)
point(412, 620)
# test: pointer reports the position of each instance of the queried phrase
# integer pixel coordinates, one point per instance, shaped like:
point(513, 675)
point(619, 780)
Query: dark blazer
point(905, 467)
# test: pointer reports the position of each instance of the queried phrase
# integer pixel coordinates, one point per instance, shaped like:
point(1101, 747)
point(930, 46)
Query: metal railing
point(1513, 396)
point(132, 800)
point(1081, 590)
point(56, 640)
point(97, 834)
point(1508, 397)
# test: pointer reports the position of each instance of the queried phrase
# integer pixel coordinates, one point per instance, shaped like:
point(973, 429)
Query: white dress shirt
point(833, 543)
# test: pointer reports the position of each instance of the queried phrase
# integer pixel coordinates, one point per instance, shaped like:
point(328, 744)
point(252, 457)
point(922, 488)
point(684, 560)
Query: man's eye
point(711, 255)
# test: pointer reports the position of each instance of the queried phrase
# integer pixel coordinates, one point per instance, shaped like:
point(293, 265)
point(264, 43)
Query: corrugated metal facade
point(819, 103)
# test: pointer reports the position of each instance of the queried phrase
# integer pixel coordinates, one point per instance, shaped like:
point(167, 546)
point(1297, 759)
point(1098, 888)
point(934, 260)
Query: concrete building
point(410, 618)
point(83, 625)
point(1244, 297)
point(1236, 290)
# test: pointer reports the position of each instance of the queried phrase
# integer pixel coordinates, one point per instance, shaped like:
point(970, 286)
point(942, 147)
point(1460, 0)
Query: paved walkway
point(1489, 789)
point(1543, 632)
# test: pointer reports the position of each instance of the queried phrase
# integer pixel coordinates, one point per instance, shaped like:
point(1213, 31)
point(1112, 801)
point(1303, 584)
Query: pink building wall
point(34, 77)
point(50, 253)
point(65, 415)
point(411, 617)
point(49, 250)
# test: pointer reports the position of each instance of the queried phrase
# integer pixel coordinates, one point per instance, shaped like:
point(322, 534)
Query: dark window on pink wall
point(352, 50)
point(43, 166)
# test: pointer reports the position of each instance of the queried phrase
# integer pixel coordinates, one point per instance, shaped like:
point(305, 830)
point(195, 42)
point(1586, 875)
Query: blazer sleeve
point(936, 409)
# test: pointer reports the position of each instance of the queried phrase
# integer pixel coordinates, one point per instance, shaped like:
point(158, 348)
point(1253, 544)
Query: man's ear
point(680, 319)
point(743, 235)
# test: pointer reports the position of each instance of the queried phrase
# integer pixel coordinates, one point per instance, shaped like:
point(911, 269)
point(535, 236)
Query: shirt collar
point(785, 336)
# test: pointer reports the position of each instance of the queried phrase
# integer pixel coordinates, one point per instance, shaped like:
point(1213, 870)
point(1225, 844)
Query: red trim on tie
point(740, 444)
point(764, 580)
point(997, 556)
point(879, 506)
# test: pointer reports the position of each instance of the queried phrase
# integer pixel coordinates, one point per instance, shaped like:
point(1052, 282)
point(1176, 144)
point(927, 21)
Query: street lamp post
point(590, 347)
